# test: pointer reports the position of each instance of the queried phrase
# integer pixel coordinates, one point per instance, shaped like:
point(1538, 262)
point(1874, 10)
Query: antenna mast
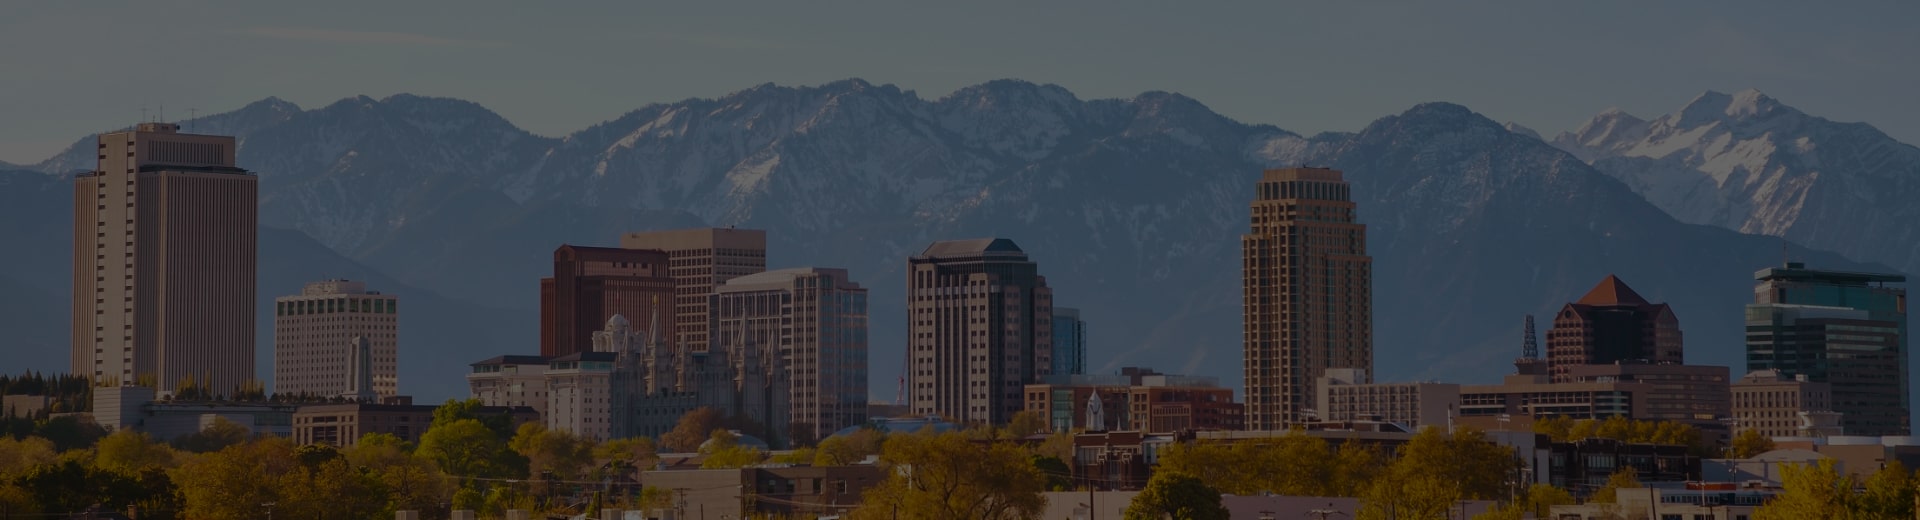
point(1530, 346)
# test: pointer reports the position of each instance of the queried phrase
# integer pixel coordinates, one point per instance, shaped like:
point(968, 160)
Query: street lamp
point(269, 506)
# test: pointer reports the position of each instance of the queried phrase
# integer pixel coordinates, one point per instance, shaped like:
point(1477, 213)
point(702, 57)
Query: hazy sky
point(71, 68)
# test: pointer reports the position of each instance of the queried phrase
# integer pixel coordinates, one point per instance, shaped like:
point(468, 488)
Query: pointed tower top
point(1612, 292)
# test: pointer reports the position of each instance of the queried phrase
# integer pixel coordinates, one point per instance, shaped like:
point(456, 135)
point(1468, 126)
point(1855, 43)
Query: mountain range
point(1132, 207)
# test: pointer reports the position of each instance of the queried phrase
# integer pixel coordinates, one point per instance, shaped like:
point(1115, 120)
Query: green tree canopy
point(1748, 443)
point(1173, 495)
point(947, 477)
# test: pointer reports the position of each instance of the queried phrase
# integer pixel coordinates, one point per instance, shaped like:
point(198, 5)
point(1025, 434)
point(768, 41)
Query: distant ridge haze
point(1132, 207)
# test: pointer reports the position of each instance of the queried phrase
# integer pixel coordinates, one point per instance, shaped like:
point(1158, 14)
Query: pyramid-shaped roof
point(1612, 293)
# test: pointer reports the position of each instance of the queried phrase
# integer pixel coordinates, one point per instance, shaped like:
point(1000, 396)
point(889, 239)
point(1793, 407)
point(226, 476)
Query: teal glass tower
point(1846, 329)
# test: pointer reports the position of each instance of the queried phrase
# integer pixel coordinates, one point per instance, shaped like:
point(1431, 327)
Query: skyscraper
point(1612, 324)
point(163, 261)
point(1307, 286)
point(1845, 329)
point(312, 333)
point(818, 319)
point(1069, 342)
point(591, 285)
point(980, 321)
point(702, 259)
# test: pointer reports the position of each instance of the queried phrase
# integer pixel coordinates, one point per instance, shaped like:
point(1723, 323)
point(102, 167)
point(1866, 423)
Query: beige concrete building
point(700, 260)
point(1344, 397)
point(580, 395)
point(313, 331)
point(163, 261)
point(980, 329)
point(510, 381)
point(1537, 396)
point(1307, 292)
point(817, 318)
point(1779, 405)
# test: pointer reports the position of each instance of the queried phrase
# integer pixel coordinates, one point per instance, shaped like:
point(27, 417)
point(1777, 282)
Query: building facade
point(1536, 396)
point(1778, 405)
point(817, 320)
point(312, 334)
point(342, 425)
point(590, 285)
point(510, 381)
point(700, 260)
point(1069, 342)
point(1612, 324)
point(580, 394)
point(980, 322)
point(1306, 292)
point(164, 236)
point(1344, 398)
point(1845, 329)
point(1691, 394)
point(1136, 399)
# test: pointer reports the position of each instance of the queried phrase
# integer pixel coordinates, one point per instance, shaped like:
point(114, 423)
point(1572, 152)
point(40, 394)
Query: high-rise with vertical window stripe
point(313, 336)
point(163, 262)
point(1307, 293)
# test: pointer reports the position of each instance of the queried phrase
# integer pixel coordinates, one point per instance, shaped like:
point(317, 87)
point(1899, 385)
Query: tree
point(70, 433)
point(1537, 501)
point(130, 452)
point(1816, 491)
point(230, 484)
point(1748, 443)
point(215, 437)
point(1219, 466)
point(333, 489)
point(501, 424)
point(946, 477)
point(627, 455)
point(694, 428)
point(1610, 491)
point(1026, 422)
point(466, 448)
point(558, 451)
point(1059, 475)
point(1173, 495)
point(841, 450)
point(1434, 471)
point(723, 451)
point(17, 456)
point(1889, 494)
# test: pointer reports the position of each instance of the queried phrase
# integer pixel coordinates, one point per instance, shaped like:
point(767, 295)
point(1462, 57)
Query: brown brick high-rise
point(1307, 293)
point(592, 284)
point(163, 261)
point(1612, 324)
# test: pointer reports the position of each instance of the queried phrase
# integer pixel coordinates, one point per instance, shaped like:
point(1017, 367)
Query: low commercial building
point(342, 425)
point(1346, 396)
point(139, 409)
point(1136, 399)
point(1535, 395)
point(1582, 467)
point(1779, 405)
point(1692, 394)
point(1693, 500)
point(765, 492)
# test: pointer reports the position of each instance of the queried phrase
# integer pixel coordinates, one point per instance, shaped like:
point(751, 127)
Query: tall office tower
point(1069, 342)
point(163, 261)
point(980, 325)
point(703, 258)
point(818, 320)
point(1307, 290)
point(1848, 330)
point(311, 333)
point(593, 284)
point(1612, 324)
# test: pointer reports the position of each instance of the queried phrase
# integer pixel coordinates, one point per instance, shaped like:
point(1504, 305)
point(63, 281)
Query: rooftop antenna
point(143, 113)
point(162, 118)
point(1784, 259)
point(191, 114)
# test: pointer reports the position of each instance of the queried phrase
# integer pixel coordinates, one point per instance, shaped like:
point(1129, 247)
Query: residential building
point(1307, 292)
point(653, 384)
point(1691, 394)
point(817, 319)
point(1136, 399)
point(1069, 342)
point(980, 321)
point(312, 334)
point(163, 235)
point(580, 394)
point(1845, 329)
point(590, 285)
point(1779, 405)
point(1344, 398)
point(700, 260)
point(1612, 324)
point(342, 425)
point(510, 381)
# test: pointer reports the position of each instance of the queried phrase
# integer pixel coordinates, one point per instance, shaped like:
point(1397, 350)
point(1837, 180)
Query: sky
point(68, 69)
